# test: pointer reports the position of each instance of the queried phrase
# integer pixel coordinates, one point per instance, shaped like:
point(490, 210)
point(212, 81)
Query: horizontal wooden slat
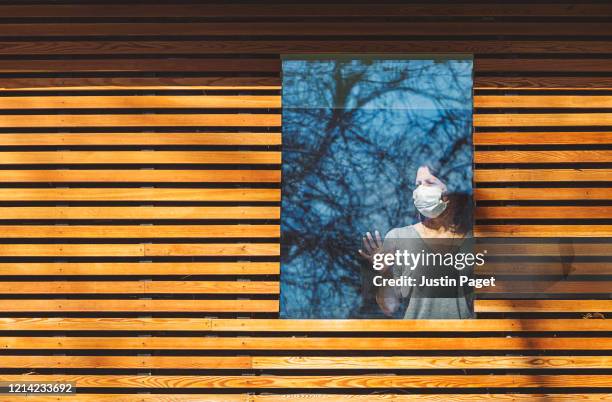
point(219, 81)
point(365, 325)
point(545, 268)
point(596, 247)
point(138, 231)
point(238, 249)
point(307, 362)
point(541, 64)
point(140, 212)
point(139, 250)
point(535, 138)
point(445, 397)
point(140, 268)
point(139, 287)
point(305, 46)
point(595, 156)
point(141, 175)
point(301, 343)
point(514, 175)
point(205, 138)
point(537, 81)
point(575, 230)
point(139, 306)
point(136, 157)
point(150, 397)
point(419, 362)
point(139, 194)
point(127, 64)
point(542, 119)
point(551, 286)
point(543, 306)
point(322, 381)
point(593, 9)
point(306, 29)
point(287, 325)
point(142, 120)
point(132, 362)
point(557, 212)
point(542, 101)
point(140, 101)
point(482, 194)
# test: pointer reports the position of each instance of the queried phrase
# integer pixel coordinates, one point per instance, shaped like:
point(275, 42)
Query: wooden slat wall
point(140, 186)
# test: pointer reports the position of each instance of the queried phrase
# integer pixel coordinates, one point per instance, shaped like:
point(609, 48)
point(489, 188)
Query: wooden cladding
point(140, 154)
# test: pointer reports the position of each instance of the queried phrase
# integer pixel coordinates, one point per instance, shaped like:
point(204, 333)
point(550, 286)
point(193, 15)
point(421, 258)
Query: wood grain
point(140, 212)
point(135, 138)
point(139, 194)
point(140, 268)
point(139, 231)
point(140, 157)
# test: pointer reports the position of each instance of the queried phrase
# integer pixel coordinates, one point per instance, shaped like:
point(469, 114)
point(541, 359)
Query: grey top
point(450, 302)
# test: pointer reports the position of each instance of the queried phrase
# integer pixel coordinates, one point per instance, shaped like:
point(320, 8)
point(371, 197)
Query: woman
point(445, 224)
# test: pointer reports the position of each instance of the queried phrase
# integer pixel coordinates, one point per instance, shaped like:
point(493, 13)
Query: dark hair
point(462, 211)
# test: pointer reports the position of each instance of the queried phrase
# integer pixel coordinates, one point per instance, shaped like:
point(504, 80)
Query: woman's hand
point(371, 245)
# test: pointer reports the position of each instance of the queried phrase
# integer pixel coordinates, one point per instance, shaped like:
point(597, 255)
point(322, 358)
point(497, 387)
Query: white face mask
point(428, 201)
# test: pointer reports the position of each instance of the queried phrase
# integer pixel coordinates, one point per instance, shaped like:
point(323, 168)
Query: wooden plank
point(140, 287)
point(542, 119)
point(545, 268)
point(142, 120)
point(543, 306)
point(147, 397)
point(536, 81)
point(306, 29)
point(219, 81)
point(595, 156)
point(542, 101)
point(313, 325)
point(141, 175)
point(140, 157)
point(140, 101)
point(593, 9)
point(127, 64)
point(298, 46)
point(104, 324)
point(541, 138)
point(139, 194)
point(365, 325)
point(514, 175)
point(446, 397)
point(140, 212)
point(140, 268)
point(139, 306)
point(482, 194)
point(577, 230)
point(138, 250)
point(230, 249)
point(72, 250)
point(131, 138)
point(596, 247)
point(521, 64)
point(301, 343)
point(526, 212)
point(307, 362)
point(419, 362)
point(323, 381)
point(536, 287)
point(138, 231)
point(134, 362)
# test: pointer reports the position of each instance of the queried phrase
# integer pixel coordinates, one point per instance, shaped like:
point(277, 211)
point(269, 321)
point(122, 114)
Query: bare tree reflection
point(354, 133)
